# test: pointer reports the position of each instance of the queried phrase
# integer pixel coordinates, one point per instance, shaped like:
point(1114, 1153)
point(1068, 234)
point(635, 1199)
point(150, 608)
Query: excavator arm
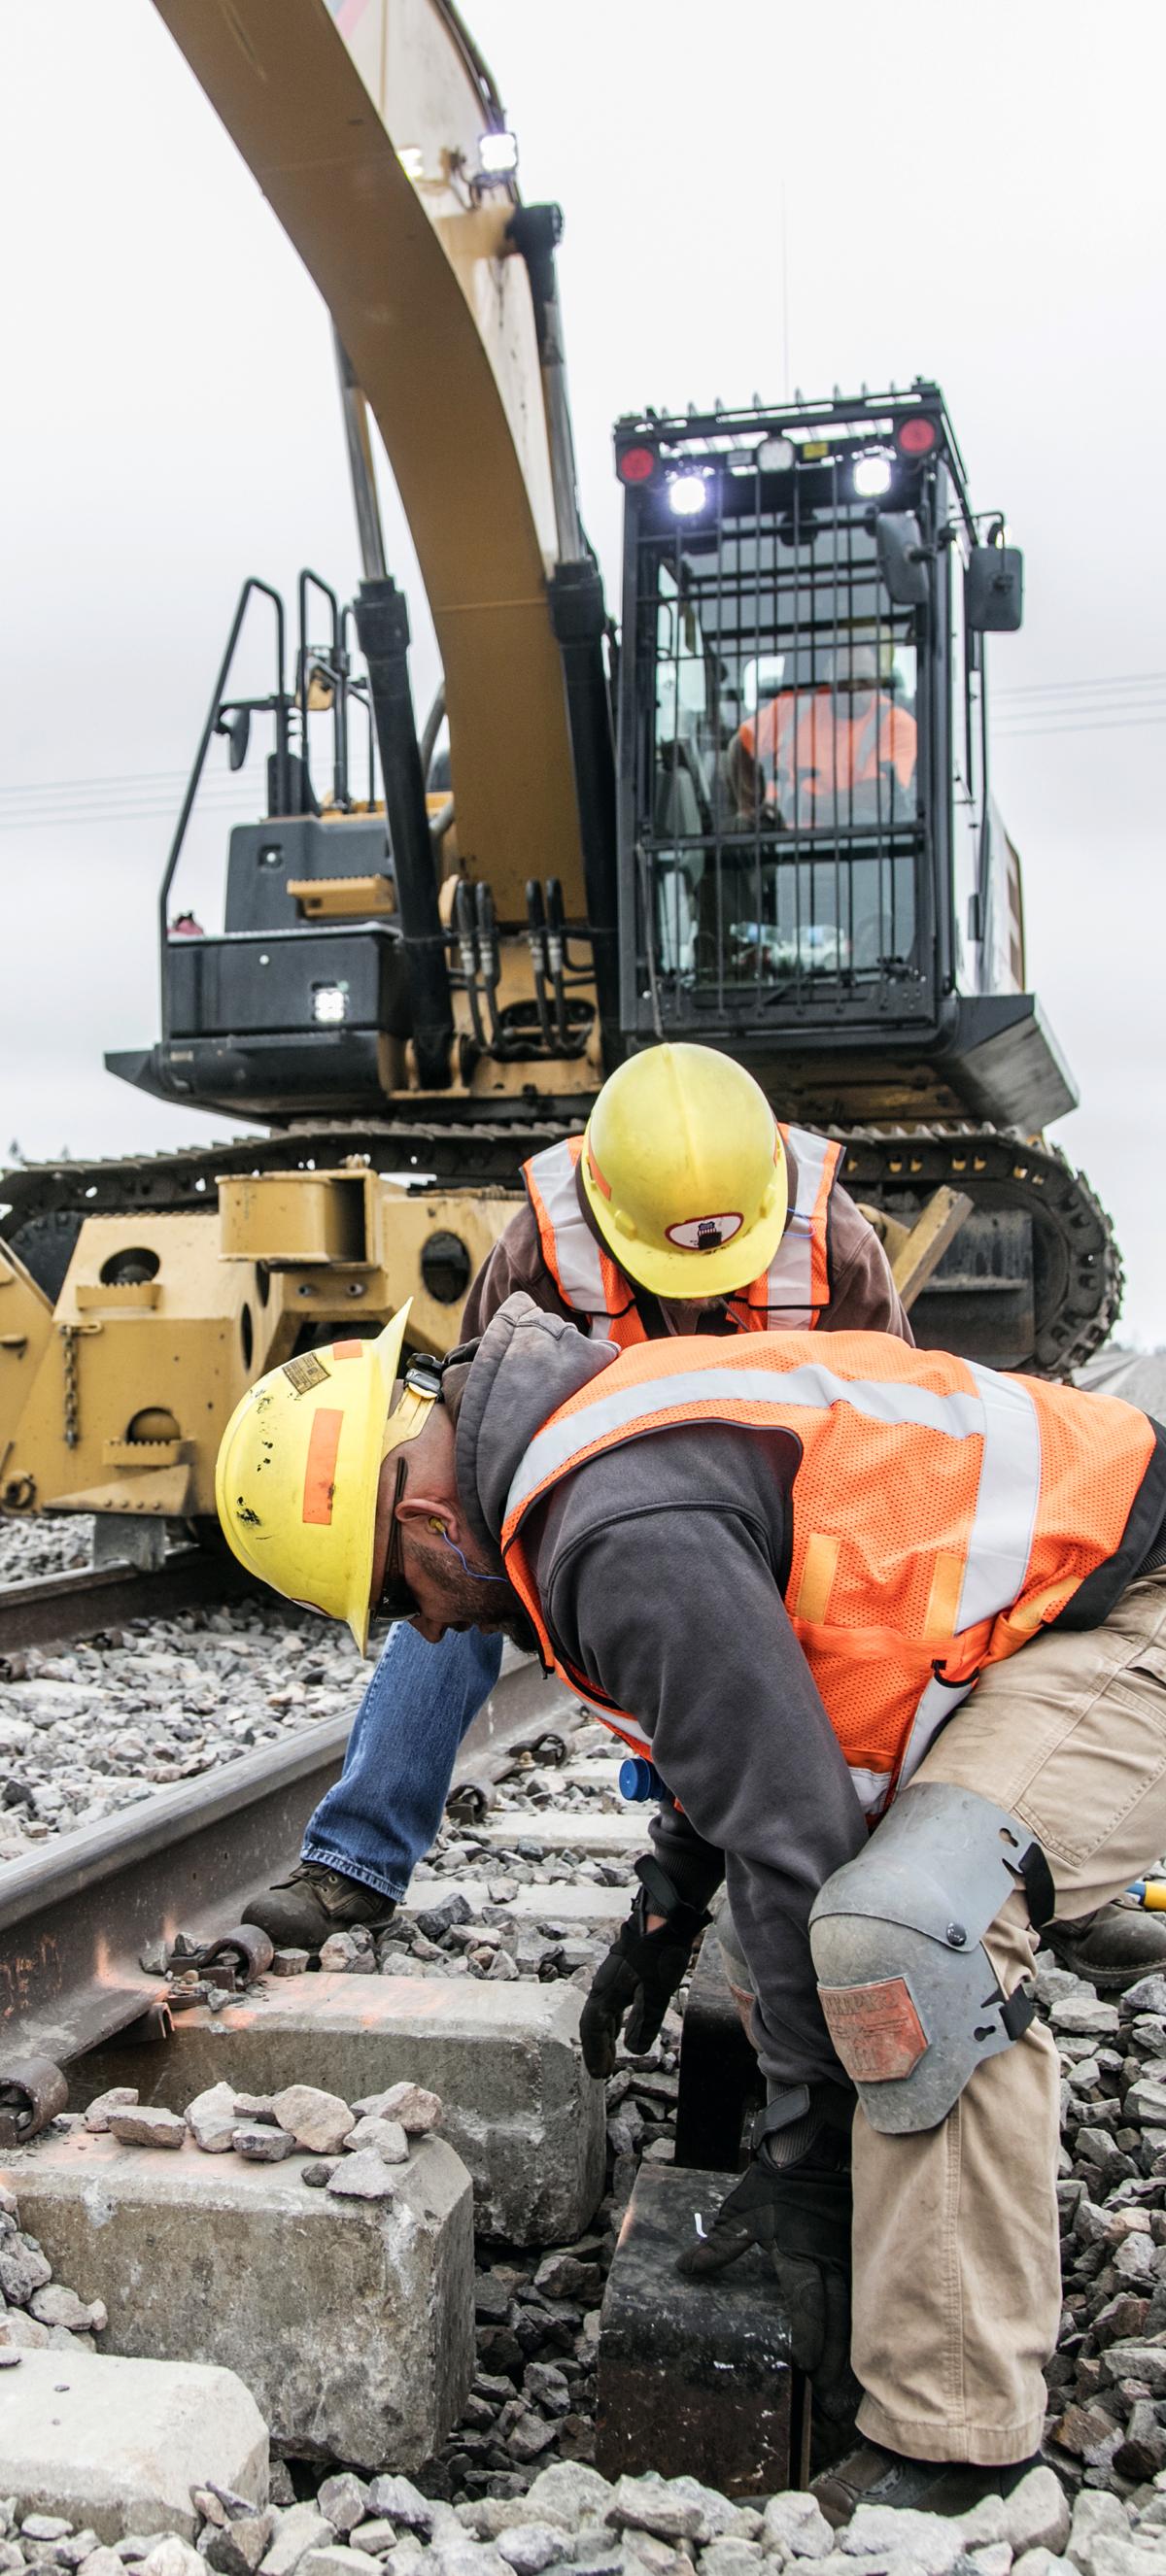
point(361, 121)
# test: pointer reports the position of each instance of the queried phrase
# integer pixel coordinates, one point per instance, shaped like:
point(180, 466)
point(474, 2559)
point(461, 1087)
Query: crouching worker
point(826, 1587)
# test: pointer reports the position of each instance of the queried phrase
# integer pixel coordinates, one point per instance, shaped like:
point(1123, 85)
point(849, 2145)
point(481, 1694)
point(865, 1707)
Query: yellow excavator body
point(120, 1394)
point(138, 1300)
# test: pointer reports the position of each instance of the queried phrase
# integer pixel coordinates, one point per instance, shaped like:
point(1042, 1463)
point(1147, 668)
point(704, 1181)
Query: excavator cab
point(812, 870)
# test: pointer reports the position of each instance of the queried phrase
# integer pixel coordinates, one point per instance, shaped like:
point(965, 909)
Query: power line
point(127, 802)
point(1108, 704)
point(1082, 710)
point(1024, 713)
point(148, 800)
point(1078, 724)
point(106, 778)
point(1085, 720)
point(1111, 680)
point(43, 819)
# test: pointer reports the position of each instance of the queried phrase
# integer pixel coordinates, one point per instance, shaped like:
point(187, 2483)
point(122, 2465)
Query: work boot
point(871, 2475)
point(299, 1912)
point(1113, 1947)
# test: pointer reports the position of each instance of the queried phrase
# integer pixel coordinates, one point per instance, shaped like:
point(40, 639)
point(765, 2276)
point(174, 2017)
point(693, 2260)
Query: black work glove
point(639, 1977)
point(799, 2214)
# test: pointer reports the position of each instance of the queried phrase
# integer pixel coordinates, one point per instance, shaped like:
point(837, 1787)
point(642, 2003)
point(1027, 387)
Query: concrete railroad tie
point(520, 2108)
point(213, 2259)
point(117, 2445)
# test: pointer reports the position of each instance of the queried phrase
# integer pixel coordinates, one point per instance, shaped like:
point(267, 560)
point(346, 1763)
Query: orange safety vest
point(808, 746)
point(942, 1513)
point(788, 1297)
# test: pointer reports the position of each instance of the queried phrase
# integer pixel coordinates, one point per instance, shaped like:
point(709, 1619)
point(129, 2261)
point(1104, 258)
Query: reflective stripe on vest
point(788, 1297)
point(796, 1287)
point(587, 1279)
point(942, 1512)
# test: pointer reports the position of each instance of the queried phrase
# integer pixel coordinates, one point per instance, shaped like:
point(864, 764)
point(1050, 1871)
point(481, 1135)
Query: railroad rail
point(76, 1919)
point(57, 1609)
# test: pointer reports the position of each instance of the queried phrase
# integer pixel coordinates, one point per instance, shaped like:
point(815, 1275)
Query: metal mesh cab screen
point(781, 853)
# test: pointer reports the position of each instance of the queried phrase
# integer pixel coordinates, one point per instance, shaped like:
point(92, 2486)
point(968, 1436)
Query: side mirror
point(903, 558)
point(237, 728)
point(994, 590)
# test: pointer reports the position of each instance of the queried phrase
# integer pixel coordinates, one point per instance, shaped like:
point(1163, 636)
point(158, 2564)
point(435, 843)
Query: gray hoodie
point(660, 1568)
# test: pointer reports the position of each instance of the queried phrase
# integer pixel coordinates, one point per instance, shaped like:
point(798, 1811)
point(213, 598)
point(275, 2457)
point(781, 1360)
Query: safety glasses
point(396, 1600)
point(420, 1392)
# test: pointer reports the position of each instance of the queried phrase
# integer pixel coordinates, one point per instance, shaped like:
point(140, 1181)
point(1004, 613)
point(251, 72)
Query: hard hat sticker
point(305, 1372)
point(320, 1472)
point(705, 1233)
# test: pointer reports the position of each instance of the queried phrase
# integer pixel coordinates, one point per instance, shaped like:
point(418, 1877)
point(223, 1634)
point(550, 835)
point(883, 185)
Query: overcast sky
point(974, 194)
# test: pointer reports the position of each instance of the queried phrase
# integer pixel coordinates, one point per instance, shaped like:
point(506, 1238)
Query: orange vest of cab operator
point(941, 1513)
point(805, 742)
point(788, 1297)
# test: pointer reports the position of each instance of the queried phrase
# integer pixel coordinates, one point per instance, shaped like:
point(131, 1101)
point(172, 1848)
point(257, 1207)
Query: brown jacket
point(863, 1296)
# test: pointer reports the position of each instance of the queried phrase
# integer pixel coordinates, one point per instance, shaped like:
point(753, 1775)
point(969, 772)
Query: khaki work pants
point(957, 2276)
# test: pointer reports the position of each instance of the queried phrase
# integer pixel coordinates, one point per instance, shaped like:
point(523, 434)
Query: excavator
point(429, 958)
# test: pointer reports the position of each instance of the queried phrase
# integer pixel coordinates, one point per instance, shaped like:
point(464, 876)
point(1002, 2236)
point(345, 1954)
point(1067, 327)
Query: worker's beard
point(471, 1600)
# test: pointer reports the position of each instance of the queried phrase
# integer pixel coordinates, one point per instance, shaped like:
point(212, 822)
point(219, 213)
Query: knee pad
point(910, 1996)
point(738, 1973)
point(737, 1968)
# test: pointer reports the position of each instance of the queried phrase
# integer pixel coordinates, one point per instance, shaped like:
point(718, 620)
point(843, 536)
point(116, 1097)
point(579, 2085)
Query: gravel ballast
point(97, 1727)
point(91, 1728)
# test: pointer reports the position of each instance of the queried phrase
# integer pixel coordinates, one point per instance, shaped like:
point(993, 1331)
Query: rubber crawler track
point(1079, 1275)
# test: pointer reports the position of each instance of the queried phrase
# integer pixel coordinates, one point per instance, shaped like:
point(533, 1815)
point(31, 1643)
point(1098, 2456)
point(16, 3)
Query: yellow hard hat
point(299, 1467)
point(684, 1172)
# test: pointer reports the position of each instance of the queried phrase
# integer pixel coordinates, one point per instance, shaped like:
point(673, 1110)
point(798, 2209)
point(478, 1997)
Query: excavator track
point(44, 1205)
point(1078, 1270)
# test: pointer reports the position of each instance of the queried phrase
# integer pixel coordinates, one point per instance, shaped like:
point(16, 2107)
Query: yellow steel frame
point(116, 1401)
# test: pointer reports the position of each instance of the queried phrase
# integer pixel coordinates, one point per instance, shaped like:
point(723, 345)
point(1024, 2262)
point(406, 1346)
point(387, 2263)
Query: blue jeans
point(386, 1807)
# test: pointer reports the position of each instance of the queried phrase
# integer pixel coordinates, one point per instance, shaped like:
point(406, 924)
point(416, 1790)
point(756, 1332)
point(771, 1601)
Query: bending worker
point(616, 1237)
point(780, 1568)
point(606, 1238)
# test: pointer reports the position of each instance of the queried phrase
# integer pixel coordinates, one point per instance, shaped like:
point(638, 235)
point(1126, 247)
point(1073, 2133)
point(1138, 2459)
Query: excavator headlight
point(872, 477)
point(329, 1004)
point(498, 155)
point(687, 495)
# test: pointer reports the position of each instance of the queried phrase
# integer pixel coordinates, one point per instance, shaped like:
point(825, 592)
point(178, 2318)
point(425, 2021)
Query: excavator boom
point(362, 122)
